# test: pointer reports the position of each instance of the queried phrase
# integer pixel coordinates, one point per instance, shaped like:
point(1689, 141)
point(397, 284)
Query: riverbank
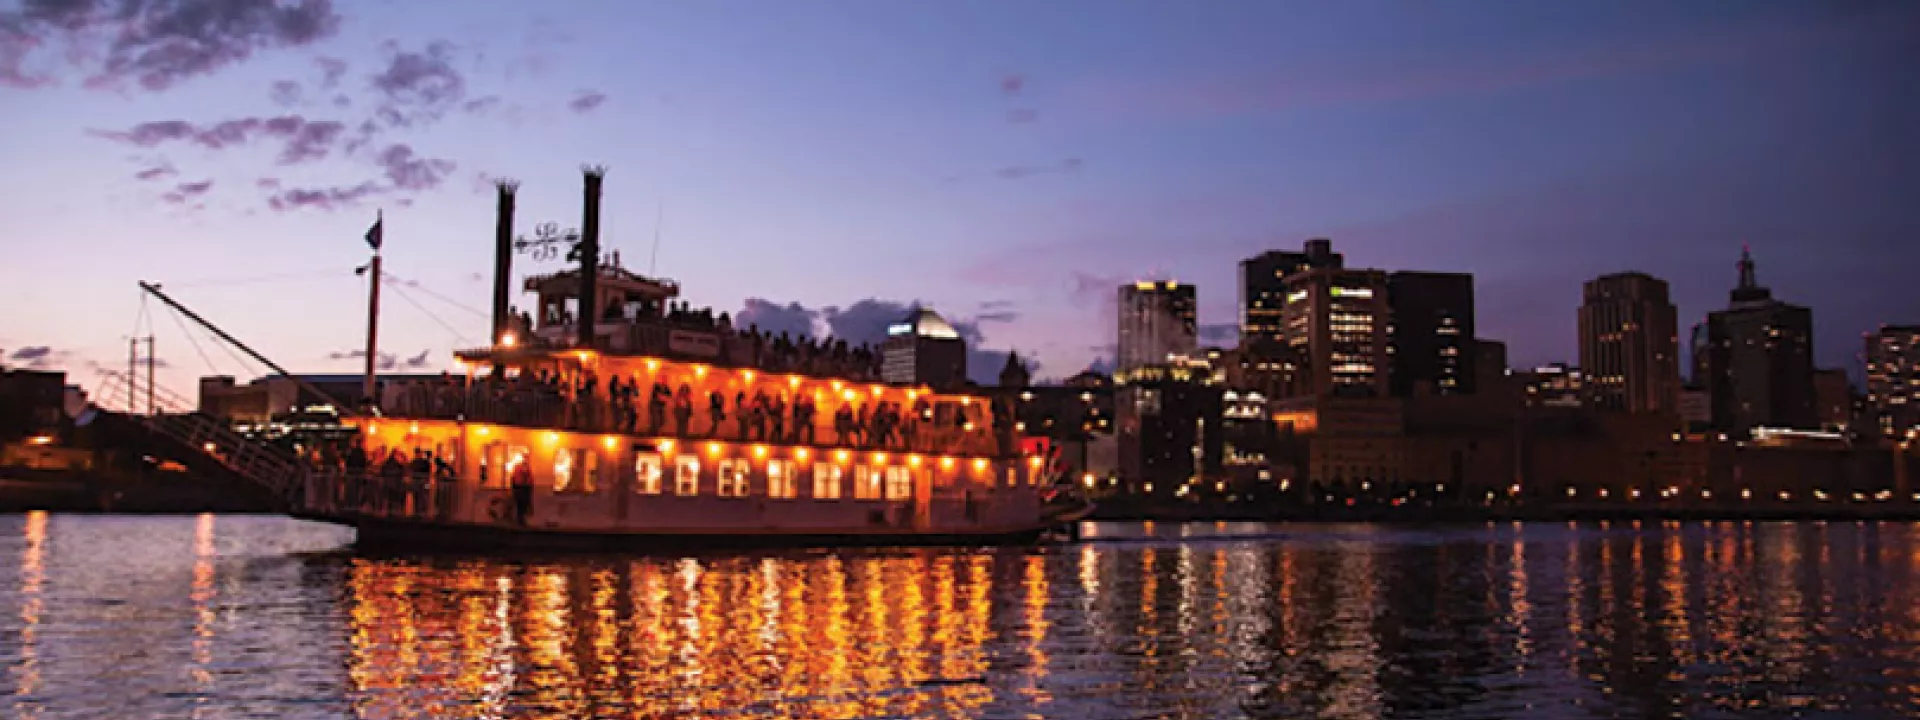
point(1183, 512)
point(79, 492)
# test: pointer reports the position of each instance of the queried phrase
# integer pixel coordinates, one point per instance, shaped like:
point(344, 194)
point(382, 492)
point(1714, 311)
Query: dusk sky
point(1008, 163)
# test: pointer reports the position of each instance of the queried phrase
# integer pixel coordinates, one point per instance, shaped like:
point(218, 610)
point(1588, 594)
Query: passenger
point(682, 409)
point(716, 411)
point(842, 423)
point(657, 408)
point(522, 480)
point(740, 410)
point(759, 415)
point(392, 473)
point(777, 415)
point(803, 419)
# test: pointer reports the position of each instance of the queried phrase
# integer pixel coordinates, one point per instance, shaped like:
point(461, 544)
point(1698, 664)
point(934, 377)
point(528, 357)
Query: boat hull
point(399, 535)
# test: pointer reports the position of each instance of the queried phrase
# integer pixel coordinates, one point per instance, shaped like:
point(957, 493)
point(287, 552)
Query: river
point(254, 616)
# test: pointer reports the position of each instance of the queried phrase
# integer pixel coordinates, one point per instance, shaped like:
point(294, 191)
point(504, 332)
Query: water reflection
point(228, 617)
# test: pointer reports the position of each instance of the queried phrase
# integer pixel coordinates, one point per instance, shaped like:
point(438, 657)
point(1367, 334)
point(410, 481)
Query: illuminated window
point(899, 483)
point(562, 469)
point(780, 480)
point(1013, 476)
point(826, 481)
point(589, 476)
point(648, 471)
point(733, 478)
point(866, 483)
point(686, 475)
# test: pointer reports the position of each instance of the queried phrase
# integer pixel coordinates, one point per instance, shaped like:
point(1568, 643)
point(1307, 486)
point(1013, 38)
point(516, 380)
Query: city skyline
point(794, 163)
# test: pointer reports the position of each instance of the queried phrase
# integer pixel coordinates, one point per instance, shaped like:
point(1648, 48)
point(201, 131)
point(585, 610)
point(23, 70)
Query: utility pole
point(151, 410)
point(133, 381)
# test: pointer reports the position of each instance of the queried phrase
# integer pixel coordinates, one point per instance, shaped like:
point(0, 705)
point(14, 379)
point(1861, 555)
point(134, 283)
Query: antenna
point(660, 216)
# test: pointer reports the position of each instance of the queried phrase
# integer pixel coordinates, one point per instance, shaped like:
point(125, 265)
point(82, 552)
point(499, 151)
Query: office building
point(1432, 334)
point(1760, 360)
point(1832, 400)
point(1156, 323)
point(1335, 324)
point(1263, 287)
point(1168, 428)
point(1629, 344)
point(924, 349)
point(1893, 379)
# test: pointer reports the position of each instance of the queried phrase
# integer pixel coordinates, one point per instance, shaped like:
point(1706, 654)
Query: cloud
point(1219, 333)
point(1012, 84)
point(331, 70)
point(286, 93)
point(302, 140)
point(772, 317)
point(31, 353)
point(419, 86)
point(154, 43)
point(1017, 172)
point(587, 101)
point(327, 198)
point(480, 106)
point(408, 171)
point(419, 361)
point(156, 172)
point(997, 316)
point(40, 357)
point(382, 361)
point(187, 191)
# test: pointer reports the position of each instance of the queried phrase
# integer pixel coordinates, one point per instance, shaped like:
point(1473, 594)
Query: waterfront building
point(924, 349)
point(1760, 360)
point(1629, 345)
point(1263, 288)
point(1893, 379)
point(1336, 322)
point(1832, 399)
point(1432, 336)
point(1157, 322)
point(1168, 427)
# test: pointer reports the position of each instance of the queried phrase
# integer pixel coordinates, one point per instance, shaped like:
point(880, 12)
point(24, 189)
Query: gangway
point(174, 417)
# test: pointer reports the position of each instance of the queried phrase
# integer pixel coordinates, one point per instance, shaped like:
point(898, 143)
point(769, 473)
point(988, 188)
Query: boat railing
point(537, 407)
point(346, 493)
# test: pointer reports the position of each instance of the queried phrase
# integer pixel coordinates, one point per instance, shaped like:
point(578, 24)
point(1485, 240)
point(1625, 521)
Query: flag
point(374, 233)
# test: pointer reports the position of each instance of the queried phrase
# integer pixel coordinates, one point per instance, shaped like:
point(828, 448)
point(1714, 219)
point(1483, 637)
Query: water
point(230, 616)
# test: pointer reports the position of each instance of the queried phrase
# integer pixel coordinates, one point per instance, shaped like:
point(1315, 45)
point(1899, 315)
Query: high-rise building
point(1893, 378)
point(1168, 427)
point(1629, 344)
point(1263, 287)
point(1335, 324)
point(924, 349)
point(1156, 322)
point(1432, 333)
point(1832, 399)
point(1760, 360)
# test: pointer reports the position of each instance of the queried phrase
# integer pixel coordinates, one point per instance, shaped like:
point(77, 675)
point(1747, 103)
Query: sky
point(824, 165)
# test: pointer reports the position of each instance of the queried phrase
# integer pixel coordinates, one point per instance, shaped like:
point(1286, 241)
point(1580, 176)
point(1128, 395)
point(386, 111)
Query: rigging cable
point(416, 285)
point(229, 282)
point(396, 288)
point(195, 343)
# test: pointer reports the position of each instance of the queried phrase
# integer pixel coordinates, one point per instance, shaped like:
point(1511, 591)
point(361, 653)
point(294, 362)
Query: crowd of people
point(583, 401)
point(748, 347)
point(384, 481)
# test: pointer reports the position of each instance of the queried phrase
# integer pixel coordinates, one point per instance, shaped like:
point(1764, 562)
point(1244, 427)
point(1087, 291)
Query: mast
point(154, 290)
point(151, 409)
point(373, 331)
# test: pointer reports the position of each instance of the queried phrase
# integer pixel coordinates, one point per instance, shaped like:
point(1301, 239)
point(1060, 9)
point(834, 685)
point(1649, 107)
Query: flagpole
point(374, 238)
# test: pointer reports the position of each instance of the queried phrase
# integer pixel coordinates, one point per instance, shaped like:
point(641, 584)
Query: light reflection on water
point(256, 616)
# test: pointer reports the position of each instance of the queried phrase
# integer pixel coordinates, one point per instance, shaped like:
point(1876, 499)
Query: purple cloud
point(185, 192)
point(303, 140)
point(323, 198)
point(156, 172)
point(155, 43)
point(1017, 172)
point(286, 93)
point(331, 69)
point(410, 172)
point(419, 86)
point(587, 101)
point(1012, 84)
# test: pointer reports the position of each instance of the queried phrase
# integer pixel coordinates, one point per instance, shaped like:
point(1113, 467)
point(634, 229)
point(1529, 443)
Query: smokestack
point(502, 258)
point(589, 302)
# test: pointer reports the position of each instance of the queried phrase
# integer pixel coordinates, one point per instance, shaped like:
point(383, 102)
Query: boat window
point(686, 475)
point(492, 458)
point(647, 473)
point(733, 477)
point(899, 483)
point(1013, 476)
point(562, 470)
point(780, 480)
point(866, 483)
point(826, 481)
point(589, 479)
